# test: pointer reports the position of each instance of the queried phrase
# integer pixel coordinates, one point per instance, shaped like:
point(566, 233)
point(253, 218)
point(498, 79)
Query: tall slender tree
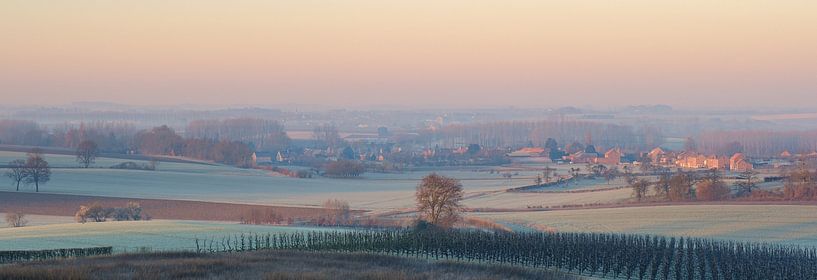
point(86, 153)
point(17, 172)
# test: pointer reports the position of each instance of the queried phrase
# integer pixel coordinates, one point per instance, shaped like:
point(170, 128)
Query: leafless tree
point(640, 187)
point(680, 187)
point(17, 172)
point(438, 200)
point(36, 169)
point(339, 211)
point(86, 153)
point(748, 183)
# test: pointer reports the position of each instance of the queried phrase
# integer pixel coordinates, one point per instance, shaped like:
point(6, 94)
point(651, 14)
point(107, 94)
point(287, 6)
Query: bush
point(303, 174)
point(261, 217)
point(344, 168)
point(135, 166)
point(711, 191)
point(16, 219)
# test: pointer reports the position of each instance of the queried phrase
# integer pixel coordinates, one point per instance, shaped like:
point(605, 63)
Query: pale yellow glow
point(413, 52)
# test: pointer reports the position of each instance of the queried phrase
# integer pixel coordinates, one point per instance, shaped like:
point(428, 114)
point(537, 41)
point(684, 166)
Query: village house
point(738, 163)
point(693, 160)
point(716, 162)
point(611, 157)
point(659, 156)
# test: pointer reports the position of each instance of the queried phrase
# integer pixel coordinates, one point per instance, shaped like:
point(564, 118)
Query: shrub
point(344, 168)
point(261, 217)
point(16, 220)
point(135, 166)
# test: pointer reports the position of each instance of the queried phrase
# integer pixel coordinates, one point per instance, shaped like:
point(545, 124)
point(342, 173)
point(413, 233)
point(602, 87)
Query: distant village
point(382, 152)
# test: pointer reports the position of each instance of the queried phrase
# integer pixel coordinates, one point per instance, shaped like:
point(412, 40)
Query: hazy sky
point(459, 53)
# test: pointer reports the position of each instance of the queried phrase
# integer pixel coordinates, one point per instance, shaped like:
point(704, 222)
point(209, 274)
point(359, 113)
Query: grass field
point(785, 224)
point(272, 265)
point(218, 183)
point(522, 200)
point(128, 236)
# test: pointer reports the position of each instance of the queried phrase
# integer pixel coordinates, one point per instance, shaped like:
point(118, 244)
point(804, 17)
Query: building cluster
point(658, 156)
point(692, 160)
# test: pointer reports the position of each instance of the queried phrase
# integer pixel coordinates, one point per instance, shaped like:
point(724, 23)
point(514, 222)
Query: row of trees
point(265, 135)
point(537, 133)
point(757, 143)
point(601, 255)
point(113, 137)
point(686, 186)
point(33, 170)
point(230, 141)
point(163, 140)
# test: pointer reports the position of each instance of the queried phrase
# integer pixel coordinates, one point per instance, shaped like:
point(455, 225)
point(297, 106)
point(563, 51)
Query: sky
point(410, 53)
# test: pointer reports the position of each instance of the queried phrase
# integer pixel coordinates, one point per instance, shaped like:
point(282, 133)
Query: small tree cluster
point(801, 184)
point(344, 168)
point(257, 216)
point(96, 213)
point(34, 170)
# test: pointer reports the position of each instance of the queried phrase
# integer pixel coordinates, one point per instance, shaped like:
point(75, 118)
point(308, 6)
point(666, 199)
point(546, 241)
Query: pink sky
point(459, 53)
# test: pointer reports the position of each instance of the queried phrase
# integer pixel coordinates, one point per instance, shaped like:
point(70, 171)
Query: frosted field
point(185, 181)
point(39, 220)
point(128, 236)
point(509, 200)
point(787, 224)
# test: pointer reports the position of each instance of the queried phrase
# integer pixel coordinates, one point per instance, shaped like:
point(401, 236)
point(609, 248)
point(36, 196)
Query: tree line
point(536, 133)
point(757, 143)
point(230, 141)
point(163, 140)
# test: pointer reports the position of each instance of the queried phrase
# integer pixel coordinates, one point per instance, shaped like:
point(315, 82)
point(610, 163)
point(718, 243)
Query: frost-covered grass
point(38, 220)
point(509, 200)
point(186, 181)
point(218, 183)
point(789, 224)
point(129, 236)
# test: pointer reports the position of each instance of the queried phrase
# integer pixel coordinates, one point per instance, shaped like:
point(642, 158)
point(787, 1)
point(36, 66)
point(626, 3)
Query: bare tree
point(438, 200)
point(17, 172)
point(16, 220)
point(36, 169)
point(639, 187)
point(611, 174)
point(86, 153)
point(339, 211)
point(680, 187)
point(748, 183)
